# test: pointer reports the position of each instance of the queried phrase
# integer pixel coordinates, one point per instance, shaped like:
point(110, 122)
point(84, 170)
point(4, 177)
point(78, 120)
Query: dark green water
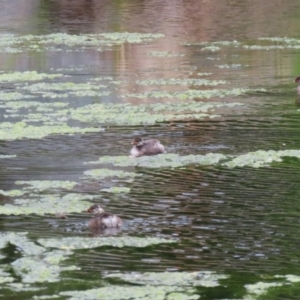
point(242, 223)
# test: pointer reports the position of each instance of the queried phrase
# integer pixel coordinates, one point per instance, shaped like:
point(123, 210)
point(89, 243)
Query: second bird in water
point(146, 147)
point(101, 219)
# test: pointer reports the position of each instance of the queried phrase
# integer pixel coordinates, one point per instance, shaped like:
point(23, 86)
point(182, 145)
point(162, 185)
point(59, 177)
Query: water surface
point(241, 223)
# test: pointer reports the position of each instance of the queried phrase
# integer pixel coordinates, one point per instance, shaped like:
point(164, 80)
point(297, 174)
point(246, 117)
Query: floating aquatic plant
point(180, 82)
point(125, 114)
point(206, 279)
point(58, 41)
point(289, 277)
point(271, 47)
point(106, 173)
point(8, 96)
point(5, 277)
point(260, 158)
point(62, 86)
point(47, 204)
point(261, 288)
point(134, 292)
point(162, 160)
point(43, 268)
point(42, 185)
point(7, 156)
point(26, 76)
point(211, 48)
point(192, 94)
point(12, 193)
point(70, 243)
point(20, 130)
point(165, 54)
point(255, 159)
point(117, 190)
point(21, 241)
point(232, 66)
point(33, 104)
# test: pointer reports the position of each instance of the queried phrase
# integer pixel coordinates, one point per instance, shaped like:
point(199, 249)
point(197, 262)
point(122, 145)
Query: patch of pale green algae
point(42, 185)
point(107, 173)
point(261, 158)
point(21, 241)
point(195, 94)
point(165, 54)
point(134, 292)
point(12, 193)
point(33, 104)
point(66, 89)
point(7, 156)
point(108, 114)
point(255, 159)
point(48, 204)
point(26, 76)
point(117, 190)
point(5, 277)
point(261, 288)
point(180, 82)
point(217, 43)
point(9, 96)
point(41, 269)
point(206, 279)
point(126, 114)
point(289, 277)
point(14, 131)
point(72, 243)
point(37, 264)
point(58, 41)
point(161, 161)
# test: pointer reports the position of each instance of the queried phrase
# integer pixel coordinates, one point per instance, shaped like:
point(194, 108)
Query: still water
point(231, 233)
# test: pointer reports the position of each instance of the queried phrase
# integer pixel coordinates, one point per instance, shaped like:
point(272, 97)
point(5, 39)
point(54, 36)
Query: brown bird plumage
point(101, 219)
point(146, 147)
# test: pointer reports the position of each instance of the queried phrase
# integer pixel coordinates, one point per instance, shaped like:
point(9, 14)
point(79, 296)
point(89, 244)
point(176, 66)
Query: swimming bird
point(297, 80)
point(101, 219)
point(146, 147)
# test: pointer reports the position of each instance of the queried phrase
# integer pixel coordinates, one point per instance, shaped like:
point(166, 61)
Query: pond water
point(217, 216)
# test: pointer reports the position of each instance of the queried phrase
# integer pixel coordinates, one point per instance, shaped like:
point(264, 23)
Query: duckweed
point(49, 204)
point(20, 130)
point(192, 94)
point(206, 279)
point(42, 185)
point(43, 268)
point(71, 243)
point(125, 114)
point(162, 160)
point(26, 76)
point(8, 96)
point(261, 288)
point(180, 82)
point(117, 190)
point(289, 277)
point(165, 54)
point(5, 277)
point(131, 292)
point(106, 173)
point(56, 41)
point(7, 156)
point(261, 158)
point(62, 86)
point(21, 241)
point(255, 159)
point(12, 193)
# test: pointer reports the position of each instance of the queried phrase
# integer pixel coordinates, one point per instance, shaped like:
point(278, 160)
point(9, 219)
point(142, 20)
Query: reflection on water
point(232, 221)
